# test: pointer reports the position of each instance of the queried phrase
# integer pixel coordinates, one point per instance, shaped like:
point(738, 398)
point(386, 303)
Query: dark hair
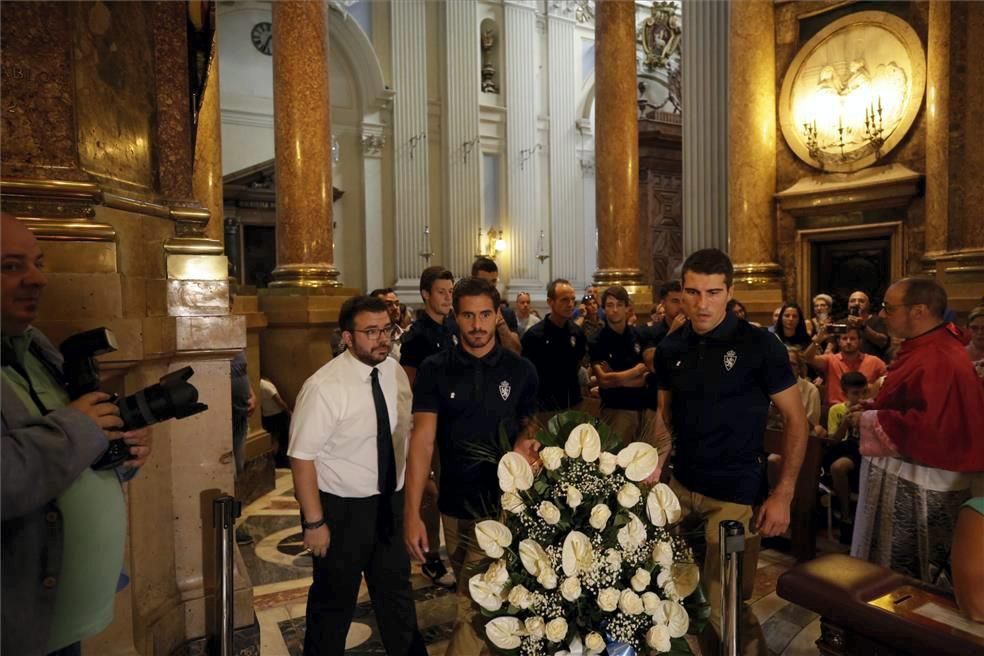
point(485, 264)
point(431, 275)
point(733, 303)
point(654, 309)
point(709, 261)
point(382, 291)
point(848, 330)
point(618, 293)
point(923, 291)
point(552, 286)
point(669, 287)
point(853, 380)
point(474, 287)
point(355, 306)
point(800, 336)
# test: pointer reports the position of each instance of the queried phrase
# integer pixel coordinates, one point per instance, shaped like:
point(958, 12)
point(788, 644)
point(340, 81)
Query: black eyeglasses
point(375, 333)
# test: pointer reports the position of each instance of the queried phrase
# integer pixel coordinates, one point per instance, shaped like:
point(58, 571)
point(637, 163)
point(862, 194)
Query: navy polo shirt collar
point(722, 333)
point(550, 326)
point(490, 359)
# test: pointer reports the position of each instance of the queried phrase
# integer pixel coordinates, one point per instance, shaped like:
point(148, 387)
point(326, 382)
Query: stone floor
point(281, 578)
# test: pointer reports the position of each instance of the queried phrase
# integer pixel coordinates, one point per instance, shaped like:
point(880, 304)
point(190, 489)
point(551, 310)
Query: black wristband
point(309, 526)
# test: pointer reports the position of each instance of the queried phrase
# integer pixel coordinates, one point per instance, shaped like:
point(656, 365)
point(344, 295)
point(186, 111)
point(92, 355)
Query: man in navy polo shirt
point(462, 398)
point(717, 376)
point(556, 347)
point(506, 325)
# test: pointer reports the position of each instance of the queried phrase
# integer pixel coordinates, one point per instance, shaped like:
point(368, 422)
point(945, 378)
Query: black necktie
point(384, 439)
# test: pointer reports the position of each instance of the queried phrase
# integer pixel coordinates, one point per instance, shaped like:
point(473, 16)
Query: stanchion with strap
point(225, 511)
point(732, 541)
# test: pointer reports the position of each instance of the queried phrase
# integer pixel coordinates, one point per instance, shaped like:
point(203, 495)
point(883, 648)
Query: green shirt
point(93, 519)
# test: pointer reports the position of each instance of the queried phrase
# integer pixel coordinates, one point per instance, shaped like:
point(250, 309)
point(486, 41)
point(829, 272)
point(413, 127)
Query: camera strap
point(10, 360)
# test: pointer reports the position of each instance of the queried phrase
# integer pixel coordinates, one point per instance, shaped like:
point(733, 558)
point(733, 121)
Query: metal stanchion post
point(732, 540)
point(225, 510)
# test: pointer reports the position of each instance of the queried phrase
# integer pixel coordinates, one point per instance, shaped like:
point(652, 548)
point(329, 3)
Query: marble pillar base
point(759, 288)
point(245, 642)
point(298, 337)
point(259, 473)
point(962, 275)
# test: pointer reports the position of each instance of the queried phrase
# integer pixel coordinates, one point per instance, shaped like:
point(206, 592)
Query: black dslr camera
point(172, 397)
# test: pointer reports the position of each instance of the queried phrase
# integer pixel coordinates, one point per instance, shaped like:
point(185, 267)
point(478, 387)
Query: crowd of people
point(385, 442)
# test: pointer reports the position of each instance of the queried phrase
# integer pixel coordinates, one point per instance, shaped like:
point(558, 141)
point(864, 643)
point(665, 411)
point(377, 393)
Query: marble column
point(616, 146)
point(704, 61)
point(462, 150)
point(206, 181)
point(937, 129)
point(410, 151)
point(520, 43)
point(302, 140)
point(751, 149)
point(566, 234)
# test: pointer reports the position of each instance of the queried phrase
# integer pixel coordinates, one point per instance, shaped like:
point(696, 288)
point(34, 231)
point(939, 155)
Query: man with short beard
point(833, 366)
point(462, 399)
point(395, 310)
point(348, 450)
point(556, 347)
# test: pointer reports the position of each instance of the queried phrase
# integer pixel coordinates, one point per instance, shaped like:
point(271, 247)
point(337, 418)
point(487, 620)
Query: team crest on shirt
point(573, 341)
point(730, 358)
point(454, 339)
point(504, 389)
point(638, 349)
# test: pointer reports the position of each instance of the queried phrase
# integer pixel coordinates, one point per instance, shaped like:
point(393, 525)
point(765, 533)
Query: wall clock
point(853, 91)
point(262, 36)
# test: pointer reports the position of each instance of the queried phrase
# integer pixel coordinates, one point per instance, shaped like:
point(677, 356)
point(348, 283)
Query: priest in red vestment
point(921, 438)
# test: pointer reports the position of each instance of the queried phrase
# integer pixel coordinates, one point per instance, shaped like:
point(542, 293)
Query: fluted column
point(616, 145)
point(302, 140)
point(704, 62)
point(937, 129)
point(409, 136)
point(566, 231)
point(521, 146)
point(751, 103)
point(461, 148)
point(206, 181)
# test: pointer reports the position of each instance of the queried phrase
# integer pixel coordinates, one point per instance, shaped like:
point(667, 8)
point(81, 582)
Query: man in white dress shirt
point(348, 444)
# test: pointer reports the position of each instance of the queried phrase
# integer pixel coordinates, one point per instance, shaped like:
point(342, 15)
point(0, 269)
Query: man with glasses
point(556, 347)
point(394, 309)
point(348, 445)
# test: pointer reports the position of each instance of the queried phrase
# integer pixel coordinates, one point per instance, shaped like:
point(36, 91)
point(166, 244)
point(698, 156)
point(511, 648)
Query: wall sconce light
point(491, 243)
point(427, 253)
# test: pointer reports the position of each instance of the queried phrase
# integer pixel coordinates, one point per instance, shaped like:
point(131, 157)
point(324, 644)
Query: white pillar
point(464, 190)
point(704, 61)
point(566, 236)
point(522, 152)
point(410, 166)
point(373, 142)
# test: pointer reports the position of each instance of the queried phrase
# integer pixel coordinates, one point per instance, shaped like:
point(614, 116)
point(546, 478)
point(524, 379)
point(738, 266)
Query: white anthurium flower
point(653, 604)
point(639, 460)
point(513, 503)
point(658, 638)
point(556, 629)
point(599, 516)
point(577, 648)
point(497, 574)
point(552, 457)
point(632, 535)
point(493, 537)
point(679, 581)
point(676, 618)
point(520, 597)
point(608, 599)
point(662, 505)
point(640, 580)
point(549, 512)
point(583, 442)
point(548, 579)
point(514, 473)
point(630, 603)
point(594, 643)
point(628, 495)
point(578, 556)
point(485, 594)
point(570, 589)
point(505, 632)
point(535, 627)
point(606, 463)
point(663, 554)
point(574, 497)
point(534, 558)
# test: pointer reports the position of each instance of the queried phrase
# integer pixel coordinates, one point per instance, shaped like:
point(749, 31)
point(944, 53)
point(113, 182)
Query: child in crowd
point(843, 458)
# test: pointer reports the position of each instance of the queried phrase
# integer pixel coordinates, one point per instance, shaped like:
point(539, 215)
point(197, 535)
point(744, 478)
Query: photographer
point(64, 524)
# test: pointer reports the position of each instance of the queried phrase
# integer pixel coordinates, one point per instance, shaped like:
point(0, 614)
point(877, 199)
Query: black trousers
point(278, 426)
point(356, 549)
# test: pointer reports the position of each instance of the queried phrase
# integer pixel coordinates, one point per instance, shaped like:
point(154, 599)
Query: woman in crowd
point(791, 326)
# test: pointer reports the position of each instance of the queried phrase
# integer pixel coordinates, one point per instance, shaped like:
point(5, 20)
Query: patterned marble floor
point(281, 578)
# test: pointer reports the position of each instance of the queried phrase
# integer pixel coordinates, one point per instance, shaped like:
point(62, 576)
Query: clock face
point(262, 36)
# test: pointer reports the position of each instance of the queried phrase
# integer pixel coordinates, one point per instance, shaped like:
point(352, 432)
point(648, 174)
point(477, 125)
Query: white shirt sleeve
point(312, 424)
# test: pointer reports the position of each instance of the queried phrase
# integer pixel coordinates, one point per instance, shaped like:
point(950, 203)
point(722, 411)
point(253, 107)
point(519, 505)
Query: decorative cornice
point(372, 144)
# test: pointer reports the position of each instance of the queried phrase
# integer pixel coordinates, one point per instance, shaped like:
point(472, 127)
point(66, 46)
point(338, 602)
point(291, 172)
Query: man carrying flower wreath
point(463, 398)
point(716, 377)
